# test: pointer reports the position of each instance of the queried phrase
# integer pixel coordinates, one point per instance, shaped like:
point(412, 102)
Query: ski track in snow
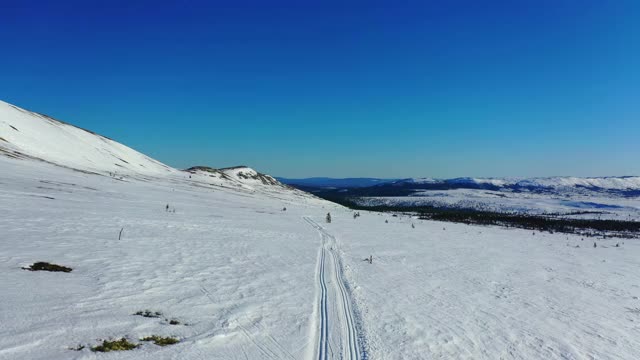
point(337, 335)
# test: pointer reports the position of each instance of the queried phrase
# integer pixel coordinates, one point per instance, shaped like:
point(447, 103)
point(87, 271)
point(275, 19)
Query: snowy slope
point(254, 282)
point(228, 262)
point(32, 136)
point(26, 134)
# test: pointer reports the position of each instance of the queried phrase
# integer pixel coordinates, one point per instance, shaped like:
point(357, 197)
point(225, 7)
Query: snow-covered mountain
point(604, 197)
point(610, 183)
point(626, 185)
point(248, 175)
point(619, 184)
point(33, 136)
point(239, 176)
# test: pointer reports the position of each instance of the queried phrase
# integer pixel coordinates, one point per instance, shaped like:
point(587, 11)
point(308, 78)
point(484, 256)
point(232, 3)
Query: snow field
point(451, 291)
point(232, 265)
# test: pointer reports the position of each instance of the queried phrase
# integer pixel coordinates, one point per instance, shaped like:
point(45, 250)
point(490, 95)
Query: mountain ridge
point(29, 135)
point(621, 183)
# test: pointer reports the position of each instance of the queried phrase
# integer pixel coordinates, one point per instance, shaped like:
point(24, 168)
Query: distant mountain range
point(325, 182)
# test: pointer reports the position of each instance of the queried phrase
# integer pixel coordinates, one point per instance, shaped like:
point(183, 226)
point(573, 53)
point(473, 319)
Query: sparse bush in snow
point(80, 347)
point(115, 345)
point(161, 341)
point(148, 314)
point(45, 266)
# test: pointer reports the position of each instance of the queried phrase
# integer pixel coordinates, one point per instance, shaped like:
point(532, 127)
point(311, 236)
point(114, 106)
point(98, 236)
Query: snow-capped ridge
point(244, 175)
point(426, 180)
point(248, 175)
point(609, 182)
point(29, 136)
point(622, 183)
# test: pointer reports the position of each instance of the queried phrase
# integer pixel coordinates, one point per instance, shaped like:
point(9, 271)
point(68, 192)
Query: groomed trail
point(335, 326)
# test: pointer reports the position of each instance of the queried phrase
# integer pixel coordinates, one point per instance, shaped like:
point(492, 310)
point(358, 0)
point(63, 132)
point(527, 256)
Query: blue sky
point(323, 88)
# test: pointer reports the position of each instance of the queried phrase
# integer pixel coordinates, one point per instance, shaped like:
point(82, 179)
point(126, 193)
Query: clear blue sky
point(349, 88)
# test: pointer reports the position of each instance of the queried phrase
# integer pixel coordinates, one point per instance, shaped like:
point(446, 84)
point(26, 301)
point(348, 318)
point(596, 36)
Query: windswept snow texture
point(215, 250)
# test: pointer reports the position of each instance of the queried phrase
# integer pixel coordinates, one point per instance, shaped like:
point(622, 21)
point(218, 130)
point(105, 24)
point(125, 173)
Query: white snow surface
point(247, 280)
